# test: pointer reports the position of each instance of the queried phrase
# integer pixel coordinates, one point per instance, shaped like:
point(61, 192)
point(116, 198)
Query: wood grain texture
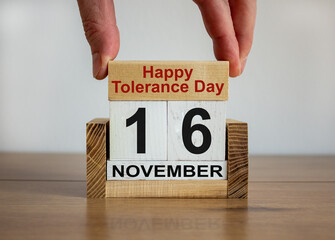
point(168, 189)
point(72, 167)
point(97, 153)
point(292, 168)
point(45, 198)
point(51, 210)
point(213, 74)
point(237, 157)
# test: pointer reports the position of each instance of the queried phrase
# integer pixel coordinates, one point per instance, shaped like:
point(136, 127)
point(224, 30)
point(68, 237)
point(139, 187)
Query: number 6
point(187, 131)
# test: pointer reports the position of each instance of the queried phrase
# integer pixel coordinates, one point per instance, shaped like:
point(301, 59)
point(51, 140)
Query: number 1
point(139, 117)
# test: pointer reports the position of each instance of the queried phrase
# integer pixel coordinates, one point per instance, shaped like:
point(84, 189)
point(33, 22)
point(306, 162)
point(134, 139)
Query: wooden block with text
point(236, 185)
point(138, 130)
point(168, 81)
point(196, 130)
point(167, 111)
point(168, 130)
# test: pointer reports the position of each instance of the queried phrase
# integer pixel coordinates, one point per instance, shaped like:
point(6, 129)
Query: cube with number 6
point(196, 130)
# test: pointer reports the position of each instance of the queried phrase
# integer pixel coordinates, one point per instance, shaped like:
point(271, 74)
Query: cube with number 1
point(138, 130)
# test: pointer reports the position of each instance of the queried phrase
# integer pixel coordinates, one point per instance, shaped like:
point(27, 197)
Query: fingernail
point(96, 64)
point(243, 62)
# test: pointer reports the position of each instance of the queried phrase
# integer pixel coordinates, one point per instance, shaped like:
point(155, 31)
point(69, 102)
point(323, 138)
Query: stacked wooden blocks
point(167, 134)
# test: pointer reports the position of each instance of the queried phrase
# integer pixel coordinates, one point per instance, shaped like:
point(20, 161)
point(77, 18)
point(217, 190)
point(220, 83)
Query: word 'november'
point(167, 171)
point(166, 74)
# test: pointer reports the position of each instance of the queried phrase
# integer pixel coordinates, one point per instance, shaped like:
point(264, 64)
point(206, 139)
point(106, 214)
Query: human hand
point(230, 24)
point(98, 17)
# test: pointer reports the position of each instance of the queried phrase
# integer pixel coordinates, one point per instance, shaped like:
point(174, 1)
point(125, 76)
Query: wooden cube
point(138, 130)
point(196, 130)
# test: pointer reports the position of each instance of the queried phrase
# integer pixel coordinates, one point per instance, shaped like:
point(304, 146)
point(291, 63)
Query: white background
point(47, 92)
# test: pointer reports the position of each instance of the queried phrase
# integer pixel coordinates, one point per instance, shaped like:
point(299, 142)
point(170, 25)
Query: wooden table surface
point(42, 196)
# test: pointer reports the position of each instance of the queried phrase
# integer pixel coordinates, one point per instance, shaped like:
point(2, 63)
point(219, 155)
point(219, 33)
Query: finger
point(219, 25)
point(98, 17)
point(244, 17)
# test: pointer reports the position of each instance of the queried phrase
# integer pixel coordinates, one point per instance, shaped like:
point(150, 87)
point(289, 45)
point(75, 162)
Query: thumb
point(98, 17)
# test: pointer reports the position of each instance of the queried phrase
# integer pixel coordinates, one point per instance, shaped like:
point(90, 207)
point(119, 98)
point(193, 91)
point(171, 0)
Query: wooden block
point(196, 130)
point(159, 80)
point(97, 153)
point(166, 170)
point(237, 156)
point(168, 189)
point(138, 130)
point(235, 187)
